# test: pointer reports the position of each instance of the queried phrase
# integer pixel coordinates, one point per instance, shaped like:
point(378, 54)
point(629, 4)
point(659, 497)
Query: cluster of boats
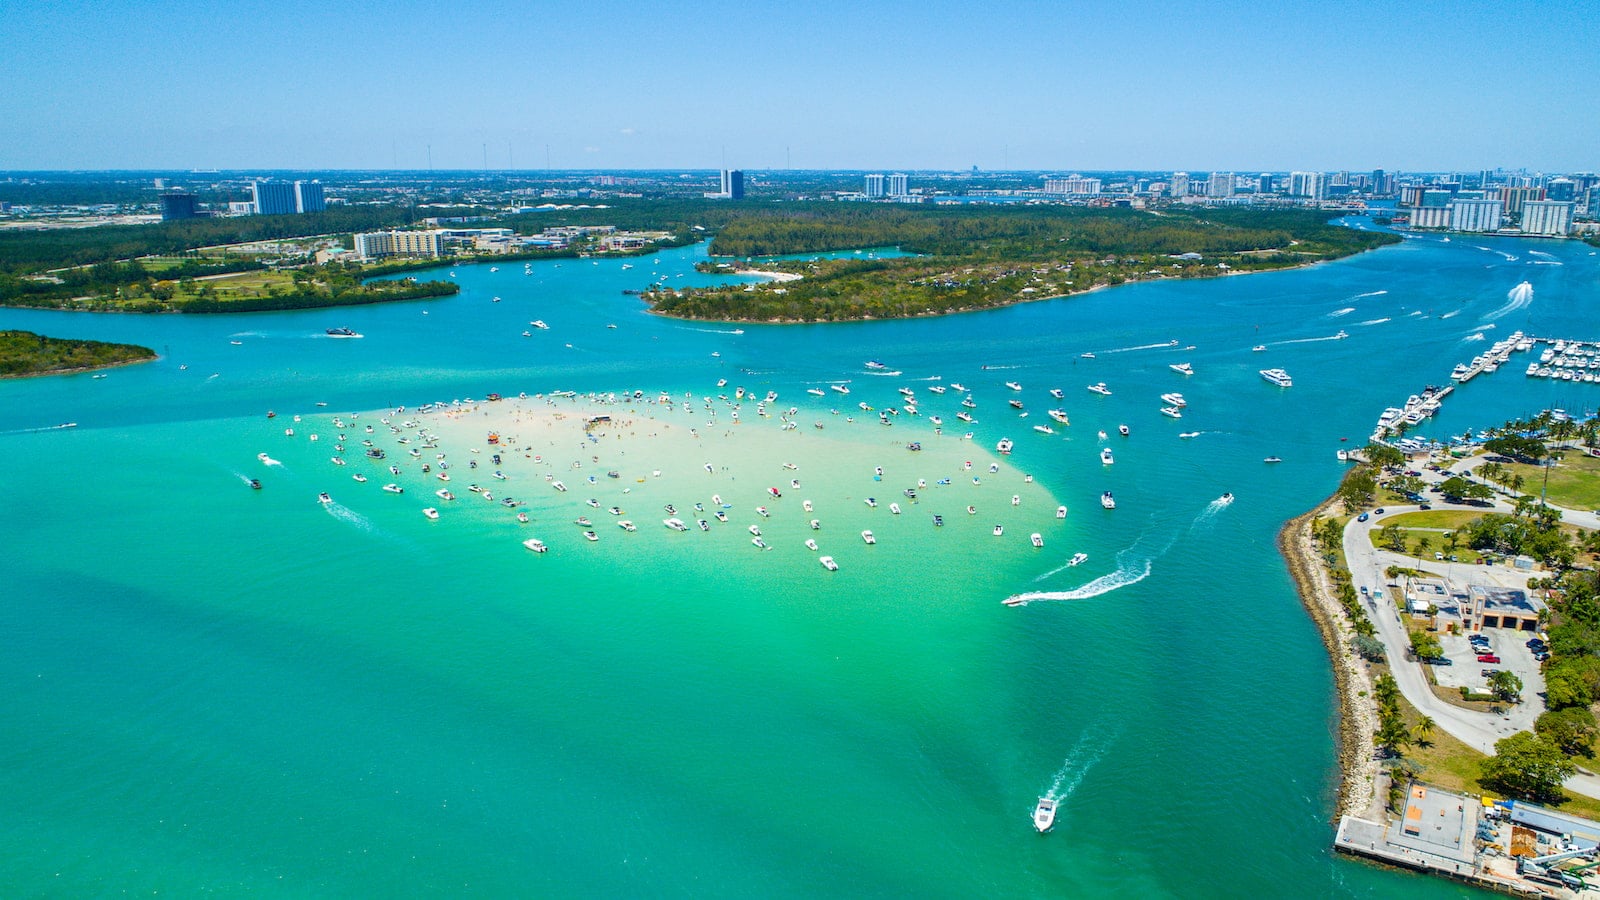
point(1568, 361)
point(1492, 359)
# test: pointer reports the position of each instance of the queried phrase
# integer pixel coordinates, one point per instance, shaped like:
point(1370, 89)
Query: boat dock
point(1420, 407)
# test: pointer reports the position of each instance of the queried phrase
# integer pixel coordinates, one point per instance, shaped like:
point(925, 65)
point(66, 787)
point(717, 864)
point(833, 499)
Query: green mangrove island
point(23, 353)
point(984, 257)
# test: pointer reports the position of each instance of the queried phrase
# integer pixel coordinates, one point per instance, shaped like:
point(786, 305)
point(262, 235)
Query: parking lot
point(1465, 669)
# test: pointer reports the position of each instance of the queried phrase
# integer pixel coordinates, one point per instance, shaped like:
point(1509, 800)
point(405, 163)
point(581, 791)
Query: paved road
point(1478, 730)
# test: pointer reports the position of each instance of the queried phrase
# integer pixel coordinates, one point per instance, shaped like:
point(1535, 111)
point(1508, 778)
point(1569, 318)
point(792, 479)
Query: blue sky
point(605, 84)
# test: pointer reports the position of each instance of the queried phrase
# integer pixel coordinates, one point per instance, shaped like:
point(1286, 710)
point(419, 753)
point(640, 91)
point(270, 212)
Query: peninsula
point(24, 354)
point(982, 258)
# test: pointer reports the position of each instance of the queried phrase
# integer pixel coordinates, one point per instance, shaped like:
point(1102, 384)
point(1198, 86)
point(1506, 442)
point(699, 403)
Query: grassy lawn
point(1435, 518)
point(244, 284)
point(1574, 481)
point(1453, 766)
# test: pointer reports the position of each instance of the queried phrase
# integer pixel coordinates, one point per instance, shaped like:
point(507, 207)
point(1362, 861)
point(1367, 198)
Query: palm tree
point(1423, 730)
point(1516, 483)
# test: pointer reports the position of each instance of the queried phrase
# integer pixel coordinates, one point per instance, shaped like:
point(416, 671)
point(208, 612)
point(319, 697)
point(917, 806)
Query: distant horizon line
point(768, 171)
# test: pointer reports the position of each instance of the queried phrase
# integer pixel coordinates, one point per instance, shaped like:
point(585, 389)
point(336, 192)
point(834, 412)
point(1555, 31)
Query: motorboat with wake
point(1044, 815)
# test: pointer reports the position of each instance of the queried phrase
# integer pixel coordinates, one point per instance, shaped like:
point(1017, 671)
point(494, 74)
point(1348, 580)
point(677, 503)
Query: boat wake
point(1451, 314)
point(346, 514)
point(1519, 297)
point(1376, 321)
point(1124, 575)
point(1476, 336)
point(1369, 294)
point(892, 374)
point(992, 368)
point(1212, 509)
point(1331, 337)
point(1084, 754)
point(1161, 346)
point(1341, 312)
point(267, 460)
point(717, 331)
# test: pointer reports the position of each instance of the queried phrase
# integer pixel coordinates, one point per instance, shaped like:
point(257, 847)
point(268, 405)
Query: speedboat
point(1259, 348)
point(1105, 456)
point(444, 494)
point(1013, 385)
point(1078, 559)
point(535, 545)
point(1172, 411)
point(1225, 498)
point(589, 535)
point(936, 388)
point(894, 508)
point(762, 512)
point(523, 518)
point(755, 530)
point(539, 324)
point(255, 484)
point(829, 564)
point(816, 525)
point(1182, 368)
point(867, 536)
point(1174, 399)
point(1038, 540)
point(1086, 355)
point(1107, 501)
point(1056, 393)
point(627, 525)
point(675, 524)
point(999, 530)
point(1044, 429)
point(811, 543)
point(805, 505)
point(1060, 415)
point(430, 512)
point(1272, 459)
point(815, 392)
point(1188, 434)
point(1004, 446)
point(839, 388)
point(359, 477)
point(958, 387)
point(342, 333)
point(872, 502)
point(582, 522)
point(394, 488)
point(875, 365)
point(938, 521)
point(1100, 388)
point(1061, 512)
point(1122, 430)
point(1278, 377)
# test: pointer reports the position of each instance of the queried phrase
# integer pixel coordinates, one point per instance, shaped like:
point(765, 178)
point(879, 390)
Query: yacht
point(342, 333)
point(867, 536)
point(936, 388)
point(1037, 539)
point(1182, 368)
point(430, 512)
point(1056, 393)
point(874, 365)
point(829, 564)
point(539, 324)
point(1100, 388)
point(1004, 446)
point(1060, 415)
point(1278, 377)
point(1107, 501)
point(535, 545)
point(1105, 456)
point(1172, 411)
point(1174, 400)
point(1013, 385)
point(627, 525)
point(676, 524)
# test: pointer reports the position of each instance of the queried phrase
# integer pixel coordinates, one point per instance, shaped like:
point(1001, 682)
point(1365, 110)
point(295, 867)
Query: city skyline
point(1154, 86)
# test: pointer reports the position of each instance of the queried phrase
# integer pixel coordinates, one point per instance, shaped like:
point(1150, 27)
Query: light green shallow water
point(211, 688)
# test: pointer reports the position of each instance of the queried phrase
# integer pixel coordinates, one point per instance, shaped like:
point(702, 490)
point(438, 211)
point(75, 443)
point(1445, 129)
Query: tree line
point(26, 353)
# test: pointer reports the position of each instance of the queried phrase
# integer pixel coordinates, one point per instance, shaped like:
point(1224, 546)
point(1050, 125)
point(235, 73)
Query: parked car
point(1535, 644)
point(1488, 658)
point(1438, 556)
point(1438, 661)
point(1542, 655)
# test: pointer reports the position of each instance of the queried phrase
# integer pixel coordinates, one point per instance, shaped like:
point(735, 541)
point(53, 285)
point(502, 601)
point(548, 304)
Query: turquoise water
point(211, 688)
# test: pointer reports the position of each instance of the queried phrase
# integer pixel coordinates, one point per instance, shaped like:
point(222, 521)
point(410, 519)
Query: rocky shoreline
point(1360, 784)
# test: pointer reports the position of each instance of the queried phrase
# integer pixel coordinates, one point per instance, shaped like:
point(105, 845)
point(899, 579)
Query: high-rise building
point(1512, 198)
point(1308, 185)
point(898, 185)
point(733, 184)
point(1552, 217)
point(1220, 185)
point(177, 205)
point(1430, 217)
point(1178, 185)
point(308, 197)
point(1485, 178)
point(1561, 189)
point(1072, 184)
point(272, 198)
point(1475, 215)
point(381, 244)
point(874, 187)
point(1434, 199)
point(1265, 183)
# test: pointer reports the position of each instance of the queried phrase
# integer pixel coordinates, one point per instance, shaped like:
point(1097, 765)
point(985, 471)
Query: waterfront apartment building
point(308, 197)
point(1308, 185)
point(899, 185)
point(1178, 185)
point(384, 244)
point(177, 205)
point(1512, 198)
point(1430, 217)
point(874, 187)
point(1547, 217)
point(1220, 185)
point(1476, 215)
point(1072, 184)
point(272, 198)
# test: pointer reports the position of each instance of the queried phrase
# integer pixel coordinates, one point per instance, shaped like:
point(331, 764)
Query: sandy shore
point(1361, 781)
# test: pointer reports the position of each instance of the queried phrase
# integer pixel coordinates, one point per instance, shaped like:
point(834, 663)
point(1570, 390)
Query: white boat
point(539, 324)
point(894, 508)
point(1259, 348)
point(627, 525)
point(958, 387)
point(999, 530)
point(1174, 399)
point(1004, 445)
point(867, 536)
point(675, 524)
point(1078, 559)
point(359, 477)
point(589, 535)
point(1105, 457)
point(341, 333)
point(324, 498)
point(1225, 499)
point(839, 388)
point(338, 460)
point(1172, 411)
point(1278, 377)
point(1056, 393)
point(1037, 539)
point(1100, 388)
point(936, 388)
point(1273, 459)
point(1086, 355)
point(1013, 385)
point(1059, 415)
point(535, 545)
point(829, 564)
point(811, 543)
point(394, 488)
point(1107, 501)
point(430, 512)
point(1188, 434)
point(1182, 368)
point(1044, 429)
point(874, 365)
point(1122, 430)
point(1061, 512)
point(816, 525)
point(755, 530)
point(815, 392)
